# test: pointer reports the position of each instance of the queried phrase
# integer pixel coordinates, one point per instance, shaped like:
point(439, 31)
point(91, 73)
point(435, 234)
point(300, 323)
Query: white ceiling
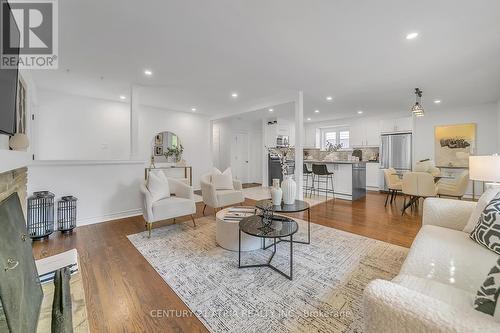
point(200, 51)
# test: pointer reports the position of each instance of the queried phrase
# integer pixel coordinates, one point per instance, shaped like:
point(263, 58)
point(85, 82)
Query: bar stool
point(322, 177)
point(307, 174)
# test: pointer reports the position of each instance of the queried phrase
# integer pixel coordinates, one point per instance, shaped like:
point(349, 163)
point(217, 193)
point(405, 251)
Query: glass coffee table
point(297, 207)
point(278, 227)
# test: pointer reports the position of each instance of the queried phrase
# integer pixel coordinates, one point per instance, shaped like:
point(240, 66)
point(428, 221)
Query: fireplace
point(14, 181)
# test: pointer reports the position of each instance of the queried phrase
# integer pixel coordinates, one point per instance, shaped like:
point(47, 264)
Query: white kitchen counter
point(349, 178)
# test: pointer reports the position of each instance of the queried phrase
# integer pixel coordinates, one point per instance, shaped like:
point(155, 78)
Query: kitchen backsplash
point(369, 153)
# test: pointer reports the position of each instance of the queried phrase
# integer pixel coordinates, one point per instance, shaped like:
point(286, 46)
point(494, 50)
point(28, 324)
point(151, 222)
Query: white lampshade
point(484, 168)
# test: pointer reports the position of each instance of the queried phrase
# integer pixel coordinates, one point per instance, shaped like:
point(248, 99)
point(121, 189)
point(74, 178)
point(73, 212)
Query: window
point(334, 136)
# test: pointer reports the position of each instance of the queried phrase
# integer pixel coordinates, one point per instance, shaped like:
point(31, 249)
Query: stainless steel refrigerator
point(395, 152)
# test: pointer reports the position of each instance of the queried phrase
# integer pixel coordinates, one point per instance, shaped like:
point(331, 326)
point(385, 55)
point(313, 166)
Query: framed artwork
point(159, 151)
point(454, 144)
point(159, 139)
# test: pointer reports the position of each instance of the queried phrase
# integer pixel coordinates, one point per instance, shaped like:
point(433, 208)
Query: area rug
point(324, 296)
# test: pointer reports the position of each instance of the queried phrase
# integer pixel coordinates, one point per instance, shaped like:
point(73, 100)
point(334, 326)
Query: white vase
point(276, 193)
point(289, 188)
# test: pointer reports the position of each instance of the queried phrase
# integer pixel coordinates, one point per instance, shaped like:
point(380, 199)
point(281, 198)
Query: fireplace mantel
point(12, 160)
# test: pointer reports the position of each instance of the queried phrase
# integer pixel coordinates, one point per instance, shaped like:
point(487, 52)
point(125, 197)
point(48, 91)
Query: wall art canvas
point(454, 144)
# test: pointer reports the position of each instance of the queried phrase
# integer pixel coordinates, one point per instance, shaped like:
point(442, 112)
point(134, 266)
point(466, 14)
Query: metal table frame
point(268, 264)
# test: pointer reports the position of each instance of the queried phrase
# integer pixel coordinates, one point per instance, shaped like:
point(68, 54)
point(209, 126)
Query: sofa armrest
point(237, 184)
point(181, 189)
point(447, 213)
point(147, 204)
point(389, 307)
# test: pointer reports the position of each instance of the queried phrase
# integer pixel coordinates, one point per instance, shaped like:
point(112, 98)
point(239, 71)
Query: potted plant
point(175, 152)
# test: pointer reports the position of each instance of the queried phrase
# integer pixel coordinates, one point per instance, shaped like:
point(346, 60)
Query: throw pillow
point(158, 187)
point(222, 180)
point(487, 231)
point(481, 204)
point(487, 296)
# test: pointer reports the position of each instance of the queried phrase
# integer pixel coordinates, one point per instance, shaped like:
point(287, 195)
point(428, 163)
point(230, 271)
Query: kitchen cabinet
point(281, 127)
point(372, 175)
point(404, 124)
point(365, 134)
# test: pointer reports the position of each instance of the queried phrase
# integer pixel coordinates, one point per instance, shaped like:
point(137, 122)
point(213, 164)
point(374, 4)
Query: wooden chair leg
point(387, 198)
point(203, 213)
point(192, 218)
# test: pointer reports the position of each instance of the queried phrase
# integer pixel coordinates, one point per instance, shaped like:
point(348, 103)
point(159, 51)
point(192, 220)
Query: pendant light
point(417, 109)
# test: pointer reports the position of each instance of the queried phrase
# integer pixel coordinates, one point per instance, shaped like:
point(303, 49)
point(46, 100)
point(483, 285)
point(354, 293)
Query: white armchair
point(220, 198)
point(180, 204)
point(454, 187)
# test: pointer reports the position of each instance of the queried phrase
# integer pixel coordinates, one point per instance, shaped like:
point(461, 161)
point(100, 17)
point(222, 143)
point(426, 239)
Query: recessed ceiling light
point(271, 110)
point(412, 35)
point(316, 111)
point(148, 72)
point(308, 119)
point(437, 101)
point(329, 98)
point(193, 109)
point(234, 95)
point(122, 97)
point(360, 111)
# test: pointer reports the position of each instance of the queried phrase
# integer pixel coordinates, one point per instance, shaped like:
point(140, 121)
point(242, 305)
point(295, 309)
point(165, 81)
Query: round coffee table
point(296, 207)
point(227, 234)
point(280, 226)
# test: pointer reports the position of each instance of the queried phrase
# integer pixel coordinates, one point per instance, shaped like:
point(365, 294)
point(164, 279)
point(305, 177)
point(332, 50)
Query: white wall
point(193, 130)
point(498, 126)
point(105, 190)
point(70, 127)
point(223, 149)
point(484, 116)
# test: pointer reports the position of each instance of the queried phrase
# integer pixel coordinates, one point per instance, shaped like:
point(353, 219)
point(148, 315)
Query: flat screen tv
point(8, 76)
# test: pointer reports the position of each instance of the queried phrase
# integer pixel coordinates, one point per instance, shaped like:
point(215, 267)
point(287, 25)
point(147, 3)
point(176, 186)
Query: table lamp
point(485, 169)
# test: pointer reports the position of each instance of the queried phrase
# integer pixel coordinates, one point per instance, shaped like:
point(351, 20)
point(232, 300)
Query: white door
point(240, 158)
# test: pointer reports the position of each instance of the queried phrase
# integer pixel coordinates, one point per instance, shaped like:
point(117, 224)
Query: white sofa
point(435, 289)
point(220, 198)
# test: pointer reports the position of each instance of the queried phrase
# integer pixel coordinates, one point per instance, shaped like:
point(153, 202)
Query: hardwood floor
point(122, 289)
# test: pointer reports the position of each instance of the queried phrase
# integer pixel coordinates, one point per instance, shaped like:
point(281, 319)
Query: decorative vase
point(289, 188)
point(276, 193)
point(19, 142)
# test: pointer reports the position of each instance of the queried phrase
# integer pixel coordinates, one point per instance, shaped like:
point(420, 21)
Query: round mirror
point(167, 148)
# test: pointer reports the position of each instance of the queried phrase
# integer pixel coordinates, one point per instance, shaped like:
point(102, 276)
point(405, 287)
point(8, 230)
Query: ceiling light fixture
point(234, 95)
point(308, 119)
point(271, 110)
point(148, 72)
point(316, 111)
point(437, 101)
point(360, 111)
point(193, 109)
point(412, 35)
point(123, 97)
point(329, 98)
point(417, 108)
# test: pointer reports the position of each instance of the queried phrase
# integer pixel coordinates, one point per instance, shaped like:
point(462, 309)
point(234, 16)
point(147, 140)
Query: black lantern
point(40, 215)
point(66, 214)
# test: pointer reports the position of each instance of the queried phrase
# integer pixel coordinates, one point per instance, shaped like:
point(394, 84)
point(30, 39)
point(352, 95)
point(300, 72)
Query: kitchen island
point(349, 178)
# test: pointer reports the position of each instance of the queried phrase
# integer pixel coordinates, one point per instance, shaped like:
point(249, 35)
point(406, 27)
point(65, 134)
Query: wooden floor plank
point(122, 289)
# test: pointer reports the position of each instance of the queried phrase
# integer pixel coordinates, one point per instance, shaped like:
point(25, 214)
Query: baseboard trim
point(109, 217)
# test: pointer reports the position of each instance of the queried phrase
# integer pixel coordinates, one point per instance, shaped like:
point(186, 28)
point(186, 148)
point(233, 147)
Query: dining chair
point(417, 185)
point(394, 184)
point(454, 187)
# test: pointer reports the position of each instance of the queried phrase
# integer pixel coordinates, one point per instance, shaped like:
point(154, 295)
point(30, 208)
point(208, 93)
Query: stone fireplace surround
point(14, 181)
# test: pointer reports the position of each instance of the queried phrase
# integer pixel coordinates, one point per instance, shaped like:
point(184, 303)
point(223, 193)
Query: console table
point(188, 172)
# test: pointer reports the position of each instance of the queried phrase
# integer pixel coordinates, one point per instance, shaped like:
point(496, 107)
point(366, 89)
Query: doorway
point(241, 157)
